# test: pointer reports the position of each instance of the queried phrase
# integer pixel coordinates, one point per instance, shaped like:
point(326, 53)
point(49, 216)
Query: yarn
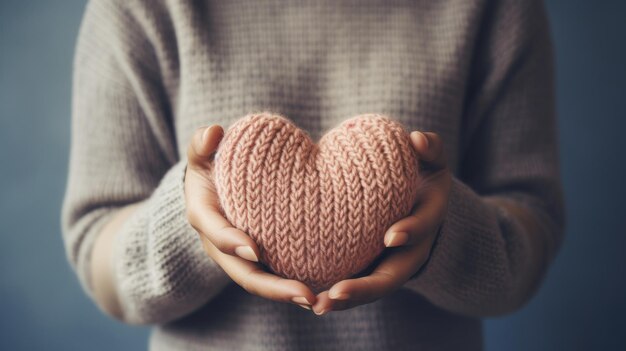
point(318, 212)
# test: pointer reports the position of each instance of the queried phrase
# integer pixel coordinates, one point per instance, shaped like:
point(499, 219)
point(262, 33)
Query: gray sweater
point(147, 73)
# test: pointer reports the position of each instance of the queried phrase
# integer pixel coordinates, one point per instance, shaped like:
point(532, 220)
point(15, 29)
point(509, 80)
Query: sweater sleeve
point(505, 215)
point(123, 151)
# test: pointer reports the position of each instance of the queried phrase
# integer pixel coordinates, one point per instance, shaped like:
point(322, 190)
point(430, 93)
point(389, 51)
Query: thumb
point(203, 145)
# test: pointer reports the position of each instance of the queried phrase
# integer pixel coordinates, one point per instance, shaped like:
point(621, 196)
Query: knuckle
point(220, 239)
point(388, 282)
point(387, 276)
point(218, 242)
point(220, 245)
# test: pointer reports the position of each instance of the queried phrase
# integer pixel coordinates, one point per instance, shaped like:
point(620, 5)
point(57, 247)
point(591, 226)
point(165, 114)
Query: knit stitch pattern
point(318, 212)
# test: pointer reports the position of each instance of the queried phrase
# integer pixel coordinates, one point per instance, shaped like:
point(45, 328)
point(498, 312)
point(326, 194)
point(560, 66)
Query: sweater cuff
point(161, 267)
point(448, 277)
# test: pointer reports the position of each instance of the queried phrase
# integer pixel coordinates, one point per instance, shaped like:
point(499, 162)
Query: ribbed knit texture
point(318, 212)
point(479, 73)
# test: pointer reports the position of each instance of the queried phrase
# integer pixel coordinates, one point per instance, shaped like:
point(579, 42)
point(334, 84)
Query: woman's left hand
point(409, 240)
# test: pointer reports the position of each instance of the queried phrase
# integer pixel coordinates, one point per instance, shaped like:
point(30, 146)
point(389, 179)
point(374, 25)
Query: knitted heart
point(317, 212)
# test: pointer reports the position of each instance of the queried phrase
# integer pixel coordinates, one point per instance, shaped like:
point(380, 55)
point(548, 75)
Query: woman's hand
point(409, 240)
point(228, 246)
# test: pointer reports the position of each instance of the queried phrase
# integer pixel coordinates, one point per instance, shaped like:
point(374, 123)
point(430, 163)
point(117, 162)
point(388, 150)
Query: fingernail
point(305, 307)
point(206, 132)
point(320, 312)
point(301, 300)
point(396, 239)
point(415, 135)
point(247, 253)
point(425, 139)
point(338, 296)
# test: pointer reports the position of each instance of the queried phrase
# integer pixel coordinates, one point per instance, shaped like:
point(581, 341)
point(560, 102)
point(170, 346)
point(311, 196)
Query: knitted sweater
point(479, 73)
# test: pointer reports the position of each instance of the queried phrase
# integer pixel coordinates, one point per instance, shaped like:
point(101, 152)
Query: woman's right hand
point(228, 246)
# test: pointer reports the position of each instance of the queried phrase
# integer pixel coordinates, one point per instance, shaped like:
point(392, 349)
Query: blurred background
point(581, 306)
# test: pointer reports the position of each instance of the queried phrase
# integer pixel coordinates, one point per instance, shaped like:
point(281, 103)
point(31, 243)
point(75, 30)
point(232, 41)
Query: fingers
point(420, 225)
point(203, 213)
point(424, 221)
point(388, 276)
point(273, 287)
point(255, 280)
point(212, 225)
point(203, 144)
point(325, 304)
point(430, 149)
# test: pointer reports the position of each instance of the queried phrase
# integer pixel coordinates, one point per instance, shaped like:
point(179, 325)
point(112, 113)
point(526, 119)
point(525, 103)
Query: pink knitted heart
point(317, 212)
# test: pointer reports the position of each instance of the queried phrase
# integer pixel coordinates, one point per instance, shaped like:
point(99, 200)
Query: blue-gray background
point(580, 307)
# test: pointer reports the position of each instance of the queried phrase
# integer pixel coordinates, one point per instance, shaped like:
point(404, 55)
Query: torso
point(319, 63)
